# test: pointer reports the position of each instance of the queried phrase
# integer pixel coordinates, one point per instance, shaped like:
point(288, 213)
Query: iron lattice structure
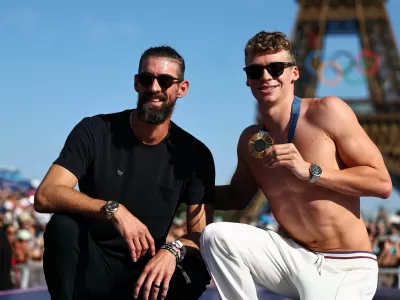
point(368, 19)
point(380, 113)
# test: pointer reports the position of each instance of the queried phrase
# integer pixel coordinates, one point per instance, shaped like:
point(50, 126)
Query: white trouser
point(239, 256)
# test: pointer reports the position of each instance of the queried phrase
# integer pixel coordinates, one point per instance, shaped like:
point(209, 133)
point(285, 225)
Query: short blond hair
point(270, 43)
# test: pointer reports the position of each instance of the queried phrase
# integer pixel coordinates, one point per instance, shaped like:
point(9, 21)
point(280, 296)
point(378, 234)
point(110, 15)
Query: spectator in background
point(23, 229)
point(382, 218)
point(11, 232)
point(384, 233)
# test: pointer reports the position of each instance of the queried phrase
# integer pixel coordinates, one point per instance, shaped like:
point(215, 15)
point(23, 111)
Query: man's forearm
point(62, 199)
point(191, 242)
point(357, 181)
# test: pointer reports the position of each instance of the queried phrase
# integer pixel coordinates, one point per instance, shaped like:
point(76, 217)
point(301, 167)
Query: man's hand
point(156, 275)
point(288, 156)
point(134, 232)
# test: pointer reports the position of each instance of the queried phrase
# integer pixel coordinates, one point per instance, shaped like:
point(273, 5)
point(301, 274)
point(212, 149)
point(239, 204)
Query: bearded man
point(134, 169)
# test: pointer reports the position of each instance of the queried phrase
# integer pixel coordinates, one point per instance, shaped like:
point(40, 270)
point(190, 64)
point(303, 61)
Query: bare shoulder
point(327, 106)
point(329, 112)
point(245, 136)
point(249, 131)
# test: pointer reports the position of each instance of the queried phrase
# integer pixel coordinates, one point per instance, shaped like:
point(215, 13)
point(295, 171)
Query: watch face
point(315, 170)
point(112, 205)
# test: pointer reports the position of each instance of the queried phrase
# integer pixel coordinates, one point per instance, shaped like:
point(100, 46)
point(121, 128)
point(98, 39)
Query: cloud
point(101, 30)
point(23, 17)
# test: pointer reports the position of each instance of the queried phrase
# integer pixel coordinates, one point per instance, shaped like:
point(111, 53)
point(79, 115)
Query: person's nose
point(155, 86)
point(266, 76)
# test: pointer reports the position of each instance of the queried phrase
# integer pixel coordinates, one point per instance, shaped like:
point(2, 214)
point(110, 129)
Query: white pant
point(239, 256)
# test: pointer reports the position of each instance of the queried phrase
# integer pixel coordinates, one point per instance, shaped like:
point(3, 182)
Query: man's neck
point(149, 134)
point(277, 116)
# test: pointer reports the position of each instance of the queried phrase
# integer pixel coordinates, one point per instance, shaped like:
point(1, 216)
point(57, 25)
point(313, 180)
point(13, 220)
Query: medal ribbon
point(294, 116)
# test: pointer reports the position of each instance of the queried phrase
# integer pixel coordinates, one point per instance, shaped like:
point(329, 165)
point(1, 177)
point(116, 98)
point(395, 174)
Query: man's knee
point(61, 252)
point(212, 233)
point(62, 230)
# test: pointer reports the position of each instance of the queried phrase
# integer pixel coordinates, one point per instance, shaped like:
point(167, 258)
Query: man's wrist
point(307, 170)
point(171, 250)
point(315, 172)
point(181, 247)
point(110, 210)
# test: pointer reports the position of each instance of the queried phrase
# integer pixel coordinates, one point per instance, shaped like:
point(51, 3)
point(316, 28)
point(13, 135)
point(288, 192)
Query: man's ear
point(136, 83)
point(183, 88)
point(295, 74)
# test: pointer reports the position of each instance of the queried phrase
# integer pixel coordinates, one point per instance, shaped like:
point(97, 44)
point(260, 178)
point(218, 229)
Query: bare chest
point(313, 145)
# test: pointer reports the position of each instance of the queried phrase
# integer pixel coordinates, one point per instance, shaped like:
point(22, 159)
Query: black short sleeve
point(78, 151)
point(200, 187)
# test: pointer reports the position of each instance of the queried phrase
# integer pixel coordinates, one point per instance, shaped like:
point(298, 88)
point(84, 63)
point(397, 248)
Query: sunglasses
point(164, 80)
point(275, 69)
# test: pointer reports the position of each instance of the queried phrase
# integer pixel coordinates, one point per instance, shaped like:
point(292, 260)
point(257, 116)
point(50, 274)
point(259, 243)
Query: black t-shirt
point(5, 262)
point(151, 181)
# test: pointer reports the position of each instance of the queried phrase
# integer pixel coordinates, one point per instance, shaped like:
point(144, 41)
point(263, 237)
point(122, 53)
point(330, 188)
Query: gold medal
point(260, 142)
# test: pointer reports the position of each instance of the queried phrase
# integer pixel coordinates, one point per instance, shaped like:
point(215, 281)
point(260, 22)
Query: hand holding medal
point(283, 154)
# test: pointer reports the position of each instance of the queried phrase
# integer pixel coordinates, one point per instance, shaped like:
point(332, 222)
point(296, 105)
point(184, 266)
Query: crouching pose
point(313, 161)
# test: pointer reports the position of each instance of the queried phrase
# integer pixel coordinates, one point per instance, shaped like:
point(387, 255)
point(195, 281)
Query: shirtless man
point(313, 176)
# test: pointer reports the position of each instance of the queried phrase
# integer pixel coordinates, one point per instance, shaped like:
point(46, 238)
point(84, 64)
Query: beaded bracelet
point(180, 247)
point(172, 250)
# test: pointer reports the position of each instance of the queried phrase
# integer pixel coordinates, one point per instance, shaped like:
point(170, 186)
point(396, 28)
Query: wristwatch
point(110, 208)
point(315, 173)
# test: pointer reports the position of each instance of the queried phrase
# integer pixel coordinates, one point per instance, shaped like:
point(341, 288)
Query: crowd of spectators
point(23, 228)
point(384, 234)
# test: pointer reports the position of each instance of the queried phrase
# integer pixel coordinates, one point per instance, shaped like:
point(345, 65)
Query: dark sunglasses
point(164, 80)
point(275, 69)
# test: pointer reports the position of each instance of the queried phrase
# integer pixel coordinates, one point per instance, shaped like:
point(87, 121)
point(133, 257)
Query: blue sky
point(63, 61)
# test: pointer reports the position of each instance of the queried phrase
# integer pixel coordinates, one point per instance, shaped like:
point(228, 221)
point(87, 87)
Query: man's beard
point(154, 115)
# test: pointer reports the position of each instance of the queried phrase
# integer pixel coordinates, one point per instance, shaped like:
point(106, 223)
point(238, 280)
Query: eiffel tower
point(379, 115)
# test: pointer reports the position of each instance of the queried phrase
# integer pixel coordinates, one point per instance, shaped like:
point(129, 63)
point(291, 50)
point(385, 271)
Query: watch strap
point(313, 178)
point(314, 175)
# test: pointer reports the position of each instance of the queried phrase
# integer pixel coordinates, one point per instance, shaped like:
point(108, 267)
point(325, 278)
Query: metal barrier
point(395, 272)
point(28, 275)
point(31, 275)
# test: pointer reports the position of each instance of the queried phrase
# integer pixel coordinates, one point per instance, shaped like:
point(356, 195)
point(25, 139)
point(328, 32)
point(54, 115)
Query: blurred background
point(61, 62)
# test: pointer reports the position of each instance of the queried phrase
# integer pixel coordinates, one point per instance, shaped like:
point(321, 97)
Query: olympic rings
point(333, 81)
point(354, 82)
point(343, 73)
point(352, 62)
point(371, 54)
point(308, 61)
